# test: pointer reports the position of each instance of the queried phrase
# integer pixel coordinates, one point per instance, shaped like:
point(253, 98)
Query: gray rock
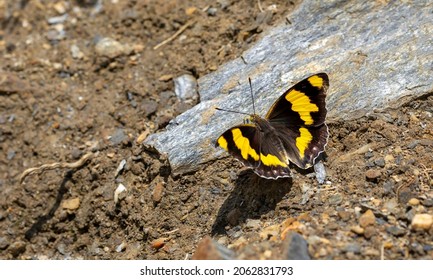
point(185, 88)
point(4, 242)
point(118, 136)
point(352, 247)
point(396, 231)
point(296, 247)
point(335, 199)
point(380, 162)
point(212, 11)
point(374, 59)
point(58, 19)
point(320, 170)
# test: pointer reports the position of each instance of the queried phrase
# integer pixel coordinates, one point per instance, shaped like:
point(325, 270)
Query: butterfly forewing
point(299, 119)
point(302, 104)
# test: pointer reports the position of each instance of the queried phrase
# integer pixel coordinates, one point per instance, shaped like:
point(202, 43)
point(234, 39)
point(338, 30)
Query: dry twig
point(55, 165)
point(260, 6)
point(171, 38)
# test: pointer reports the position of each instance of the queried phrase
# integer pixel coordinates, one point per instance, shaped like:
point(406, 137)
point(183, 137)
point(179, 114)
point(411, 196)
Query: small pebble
point(371, 252)
point(388, 187)
point(320, 171)
point(413, 144)
point(323, 252)
point(426, 202)
point(368, 154)
point(111, 48)
point(118, 137)
point(4, 242)
point(121, 247)
point(212, 11)
point(369, 232)
point(372, 174)
point(267, 254)
point(10, 154)
point(380, 162)
point(389, 159)
point(295, 247)
point(344, 215)
point(119, 193)
point(76, 153)
point(357, 229)
point(54, 35)
point(413, 201)
point(208, 249)
point(76, 52)
point(233, 216)
point(396, 231)
point(58, 19)
point(190, 11)
point(71, 204)
point(353, 247)
point(253, 224)
point(159, 243)
point(157, 192)
point(422, 222)
point(367, 219)
point(60, 7)
point(120, 167)
point(335, 199)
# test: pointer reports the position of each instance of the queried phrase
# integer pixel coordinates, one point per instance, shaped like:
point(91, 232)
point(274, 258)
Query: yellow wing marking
point(243, 144)
point(316, 81)
point(302, 105)
point(303, 140)
point(223, 143)
point(271, 160)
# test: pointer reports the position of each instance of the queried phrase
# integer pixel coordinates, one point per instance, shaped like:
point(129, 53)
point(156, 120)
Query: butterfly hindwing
point(303, 144)
point(247, 144)
point(242, 143)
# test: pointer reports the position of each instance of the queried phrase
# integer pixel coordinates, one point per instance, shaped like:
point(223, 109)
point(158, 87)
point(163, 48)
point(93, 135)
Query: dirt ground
point(62, 97)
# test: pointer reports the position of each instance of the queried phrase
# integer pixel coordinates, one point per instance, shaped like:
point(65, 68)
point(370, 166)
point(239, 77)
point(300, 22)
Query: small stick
point(171, 231)
point(55, 165)
point(260, 6)
point(171, 38)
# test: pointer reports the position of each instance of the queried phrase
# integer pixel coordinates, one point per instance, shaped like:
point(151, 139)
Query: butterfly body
point(293, 130)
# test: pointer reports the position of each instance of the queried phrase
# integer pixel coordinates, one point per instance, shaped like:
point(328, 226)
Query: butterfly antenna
point(252, 95)
point(232, 111)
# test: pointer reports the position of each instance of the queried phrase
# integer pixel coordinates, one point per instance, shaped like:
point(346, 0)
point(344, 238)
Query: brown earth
point(61, 98)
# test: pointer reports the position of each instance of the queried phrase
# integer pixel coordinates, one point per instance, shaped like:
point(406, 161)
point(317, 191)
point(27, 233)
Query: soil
point(62, 98)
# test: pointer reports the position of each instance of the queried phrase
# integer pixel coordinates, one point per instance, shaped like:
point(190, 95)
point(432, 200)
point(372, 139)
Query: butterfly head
point(251, 119)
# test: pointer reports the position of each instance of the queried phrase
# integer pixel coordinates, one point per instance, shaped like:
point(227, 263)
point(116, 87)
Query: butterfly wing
point(298, 117)
point(242, 142)
point(246, 143)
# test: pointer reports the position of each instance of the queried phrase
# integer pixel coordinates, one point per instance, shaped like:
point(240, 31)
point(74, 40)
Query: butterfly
point(293, 130)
